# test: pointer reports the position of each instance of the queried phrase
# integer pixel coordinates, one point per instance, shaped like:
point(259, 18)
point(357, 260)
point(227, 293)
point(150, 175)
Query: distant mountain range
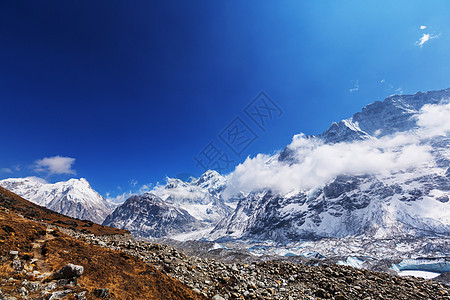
point(388, 177)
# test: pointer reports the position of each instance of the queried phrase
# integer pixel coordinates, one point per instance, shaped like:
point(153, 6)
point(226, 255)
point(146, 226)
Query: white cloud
point(55, 165)
point(37, 179)
point(423, 27)
point(317, 163)
point(355, 86)
point(145, 188)
point(384, 82)
point(6, 170)
point(120, 198)
point(434, 119)
point(133, 182)
point(425, 38)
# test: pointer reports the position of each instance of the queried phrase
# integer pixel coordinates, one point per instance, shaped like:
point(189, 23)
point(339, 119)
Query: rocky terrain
point(290, 240)
point(272, 279)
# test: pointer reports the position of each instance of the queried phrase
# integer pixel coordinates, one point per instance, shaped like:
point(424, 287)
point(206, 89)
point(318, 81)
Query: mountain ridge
point(74, 197)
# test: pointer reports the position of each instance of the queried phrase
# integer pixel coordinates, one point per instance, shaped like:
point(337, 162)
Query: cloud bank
point(55, 165)
point(316, 163)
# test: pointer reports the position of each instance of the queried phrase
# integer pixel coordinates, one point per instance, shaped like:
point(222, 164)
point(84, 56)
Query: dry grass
point(125, 276)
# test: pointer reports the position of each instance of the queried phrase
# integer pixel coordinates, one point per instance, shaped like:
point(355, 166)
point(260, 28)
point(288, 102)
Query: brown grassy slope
point(127, 277)
point(33, 211)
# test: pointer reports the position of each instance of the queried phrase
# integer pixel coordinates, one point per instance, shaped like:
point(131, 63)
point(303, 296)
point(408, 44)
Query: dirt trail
point(41, 265)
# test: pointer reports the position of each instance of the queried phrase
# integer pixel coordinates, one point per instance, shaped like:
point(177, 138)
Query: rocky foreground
point(271, 279)
point(41, 262)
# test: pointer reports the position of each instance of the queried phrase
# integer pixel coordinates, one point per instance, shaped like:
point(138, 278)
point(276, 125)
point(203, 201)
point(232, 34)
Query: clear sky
point(125, 93)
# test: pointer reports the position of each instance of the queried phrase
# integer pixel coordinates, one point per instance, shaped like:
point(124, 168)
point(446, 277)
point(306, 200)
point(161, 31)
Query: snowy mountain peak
point(177, 208)
point(74, 197)
point(149, 216)
point(381, 118)
point(210, 180)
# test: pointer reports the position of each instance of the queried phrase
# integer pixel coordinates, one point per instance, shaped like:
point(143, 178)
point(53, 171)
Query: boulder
point(68, 271)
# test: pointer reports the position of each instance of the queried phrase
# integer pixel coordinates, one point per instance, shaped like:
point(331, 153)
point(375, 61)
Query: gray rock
point(17, 265)
point(50, 286)
point(22, 291)
point(68, 282)
point(68, 271)
point(32, 286)
point(14, 254)
point(101, 293)
point(81, 296)
point(59, 294)
point(443, 198)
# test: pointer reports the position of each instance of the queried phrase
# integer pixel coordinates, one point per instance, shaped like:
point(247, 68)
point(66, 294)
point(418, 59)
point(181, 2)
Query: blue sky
point(127, 93)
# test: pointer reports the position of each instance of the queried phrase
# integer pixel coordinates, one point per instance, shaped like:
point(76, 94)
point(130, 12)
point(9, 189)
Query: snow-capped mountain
point(148, 216)
point(381, 118)
point(200, 197)
point(74, 198)
point(383, 173)
point(174, 209)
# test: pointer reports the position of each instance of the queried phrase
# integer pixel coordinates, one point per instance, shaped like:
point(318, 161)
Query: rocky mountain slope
point(201, 197)
point(177, 208)
point(149, 216)
point(74, 197)
point(271, 277)
point(381, 118)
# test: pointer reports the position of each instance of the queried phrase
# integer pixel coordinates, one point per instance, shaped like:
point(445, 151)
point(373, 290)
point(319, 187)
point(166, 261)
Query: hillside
point(33, 211)
point(42, 251)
